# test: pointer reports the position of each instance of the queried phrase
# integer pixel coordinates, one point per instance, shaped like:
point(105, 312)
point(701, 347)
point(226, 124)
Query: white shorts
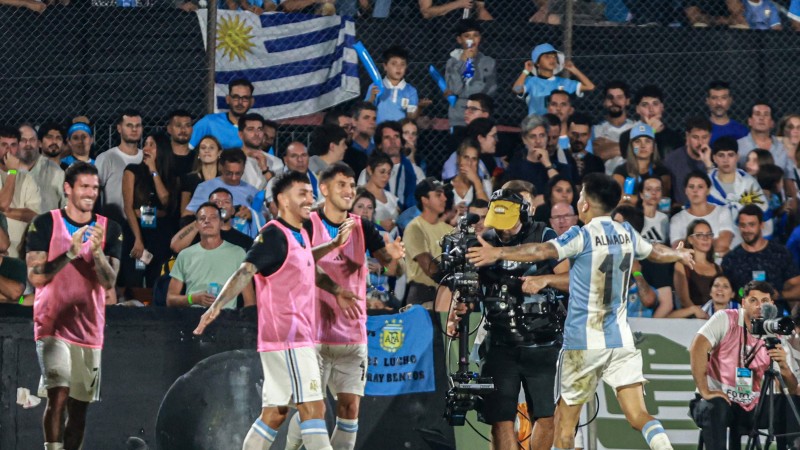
point(291, 377)
point(579, 372)
point(344, 368)
point(69, 365)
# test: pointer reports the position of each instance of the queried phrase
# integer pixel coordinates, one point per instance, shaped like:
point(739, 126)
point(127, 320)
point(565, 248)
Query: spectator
point(270, 134)
point(79, 143)
point(559, 104)
point(429, 11)
point(13, 272)
point(484, 132)
point(231, 168)
point(762, 15)
point(722, 296)
point(188, 235)
point(761, 260)
point(543, 14)
point(379, 292)
point(203, 268)
point(731, 187)
point(480, 208)
point(756, 159)
point(112, 163)
point(479, 106)
point(535, 165)
point(421, 238)
point(719, 100)
point(703, 13)
point(559, 190)
point(468, 71)
point(656, 230)
point(328, 146)
point(538, 79)
point(616, 99)
point(340, 119)
point(295, 158)
point(256, 7)
point(693, 286)
point(579, 131)
point(148, 192)
point(399, 99)
point(206, 167)
point(410, 136)
point(179, 128)
point(642, 300)
point(51, 142)
point(562, 217)
point(379, 170)
point(770, 178)
point(696, 188)
point(47, 174)
point(362, 145)
point(260, 166)
point(761, 124)
point(643, 160)
point(649, 101)
point(794, 14)
point(468, 185)
point(20, 200)
point(789, 133)
point(224, 125)
point(695, 155)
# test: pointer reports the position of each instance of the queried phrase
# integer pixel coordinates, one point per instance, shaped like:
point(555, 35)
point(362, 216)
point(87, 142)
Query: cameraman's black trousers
point(719, 421)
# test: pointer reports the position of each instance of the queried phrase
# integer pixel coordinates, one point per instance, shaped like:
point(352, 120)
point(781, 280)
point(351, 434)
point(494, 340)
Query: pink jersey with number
point(286, 299)
point(347, 266)
point(72, 306)
point(726, 357)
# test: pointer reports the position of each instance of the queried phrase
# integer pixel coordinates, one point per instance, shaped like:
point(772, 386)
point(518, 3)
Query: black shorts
point(533, 367)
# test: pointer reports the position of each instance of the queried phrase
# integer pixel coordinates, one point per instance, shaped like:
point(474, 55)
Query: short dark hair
point(697, 174)
point(520, 186)
point(649, 90)
point(760, 286)
point(271, 124)
point(717, 85)
point(48, 127)
point(768, 176)
point(553, 120)
point(579, 119)
point(378, 158)
point(723, 144)
point(361, 106)
point(219, 190)
point(241, 82)
point(481, 126)
point(322, 138)
point(392, 125)
point(129, 112)
point(557, 92)
point(395, 51)
point(179, 113)
point(207, 205)
point(486, 102)
point(284, 182)
point(761, 103)
point(751, 210)
point(10, 132)
point(478, 203)
point(602, 189)
point(466, 25)
point(77, 168)
point(250, 117)
point(617, 84)
point(331, 171)
point(698, 123)
point(630, 214)
point(331, 116)
point(234, 155)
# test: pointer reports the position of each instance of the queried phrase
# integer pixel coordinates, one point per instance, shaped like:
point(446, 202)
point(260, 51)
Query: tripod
point(768, 396)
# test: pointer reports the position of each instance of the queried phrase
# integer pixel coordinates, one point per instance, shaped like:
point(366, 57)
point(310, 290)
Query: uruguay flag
point(299, 63)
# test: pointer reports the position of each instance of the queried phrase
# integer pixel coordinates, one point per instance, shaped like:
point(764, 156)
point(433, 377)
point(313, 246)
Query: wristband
point(189, 299)
point(637, 274)
point(70, 255)
point(12, 172)
point(155, 174)
point(21, 299)
point(384, 270)
point(527, 74)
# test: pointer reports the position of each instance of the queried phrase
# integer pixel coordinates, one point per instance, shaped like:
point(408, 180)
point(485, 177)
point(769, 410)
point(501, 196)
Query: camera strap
point(746, 359)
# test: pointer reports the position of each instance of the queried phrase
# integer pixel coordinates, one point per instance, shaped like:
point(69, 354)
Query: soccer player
point(342, 342)
point(73, 258)
point(597, 340)
point(282, 263)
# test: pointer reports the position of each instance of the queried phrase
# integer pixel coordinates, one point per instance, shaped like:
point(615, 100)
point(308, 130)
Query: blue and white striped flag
point(299, 63)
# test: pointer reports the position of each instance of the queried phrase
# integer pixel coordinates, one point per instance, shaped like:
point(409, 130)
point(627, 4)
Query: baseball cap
point(504, 210)
point(426, 186)
point(542, 49)
point(642, 129)
point(724, 143)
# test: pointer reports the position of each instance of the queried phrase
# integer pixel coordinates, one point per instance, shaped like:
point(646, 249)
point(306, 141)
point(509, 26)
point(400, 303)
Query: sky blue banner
point(400, 353)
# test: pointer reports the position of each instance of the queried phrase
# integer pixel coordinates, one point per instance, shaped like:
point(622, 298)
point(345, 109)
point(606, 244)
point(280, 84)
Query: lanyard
point(746, 359)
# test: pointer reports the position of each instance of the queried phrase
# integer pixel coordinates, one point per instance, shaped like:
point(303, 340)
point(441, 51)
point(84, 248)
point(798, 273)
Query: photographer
point(728, 364)
point(520, 346)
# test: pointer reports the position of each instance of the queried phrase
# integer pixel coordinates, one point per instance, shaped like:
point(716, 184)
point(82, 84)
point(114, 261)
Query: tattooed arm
point(41, 271)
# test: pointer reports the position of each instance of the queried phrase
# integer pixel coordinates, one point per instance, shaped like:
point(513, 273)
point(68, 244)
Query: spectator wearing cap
point(538, 79)
point(697, 186)
point(225, 125)
point(649, 101)
point(731, 187)
point(695, 155)
point(606, 134)
point(47, 174)
point(79, 141)
point(421, 238)
point(468, 71)
point(643, 161)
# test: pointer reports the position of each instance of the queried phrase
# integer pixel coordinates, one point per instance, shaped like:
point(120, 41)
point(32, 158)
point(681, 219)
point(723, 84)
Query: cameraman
point(519, 347)
point(728, 364)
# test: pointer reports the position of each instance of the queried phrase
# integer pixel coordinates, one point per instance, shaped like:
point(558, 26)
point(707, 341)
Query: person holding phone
point(643, 161)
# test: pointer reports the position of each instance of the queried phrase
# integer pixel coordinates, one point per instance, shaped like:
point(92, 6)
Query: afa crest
point(392, 335)
point(314, 386)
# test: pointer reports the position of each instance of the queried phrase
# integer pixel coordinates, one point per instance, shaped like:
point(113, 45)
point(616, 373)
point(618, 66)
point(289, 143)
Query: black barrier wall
point(148, 349)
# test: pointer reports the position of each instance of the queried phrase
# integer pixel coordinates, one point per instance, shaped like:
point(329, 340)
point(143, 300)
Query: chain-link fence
point(92, 60)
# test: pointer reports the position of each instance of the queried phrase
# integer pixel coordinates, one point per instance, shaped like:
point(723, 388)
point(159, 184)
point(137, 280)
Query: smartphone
point(146, 257)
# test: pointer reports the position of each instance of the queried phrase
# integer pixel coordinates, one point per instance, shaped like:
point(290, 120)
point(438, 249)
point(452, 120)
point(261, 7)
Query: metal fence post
point(211, 55)
point(569, 21)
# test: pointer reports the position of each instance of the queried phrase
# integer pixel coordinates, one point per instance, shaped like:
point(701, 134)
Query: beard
point(615, 112)
point(752, 240)
point(50, 151)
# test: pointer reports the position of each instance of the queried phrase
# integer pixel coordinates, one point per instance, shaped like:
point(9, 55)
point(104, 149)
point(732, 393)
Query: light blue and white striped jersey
point(601, 256)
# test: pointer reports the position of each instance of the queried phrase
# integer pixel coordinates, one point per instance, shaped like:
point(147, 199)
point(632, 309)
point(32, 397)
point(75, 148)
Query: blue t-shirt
point(537, 89)
point(220, 127)
point(762, 16)
point(394, 103)
point(794, 10)
point(733, 129)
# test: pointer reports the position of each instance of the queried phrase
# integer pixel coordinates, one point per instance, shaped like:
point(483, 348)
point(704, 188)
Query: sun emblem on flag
point(751, 197)
point(234, 37)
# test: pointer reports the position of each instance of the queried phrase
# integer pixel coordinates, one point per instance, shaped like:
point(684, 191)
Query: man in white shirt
point(616, 99)
point(111, 163)
point(260, 166)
